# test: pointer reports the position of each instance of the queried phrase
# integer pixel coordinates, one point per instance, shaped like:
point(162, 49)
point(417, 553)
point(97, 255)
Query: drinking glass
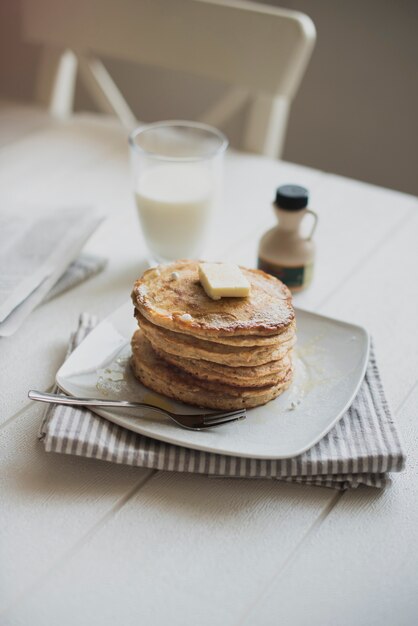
point(177, 176)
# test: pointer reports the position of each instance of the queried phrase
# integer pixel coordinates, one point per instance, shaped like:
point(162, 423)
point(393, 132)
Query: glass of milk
point(177, 170)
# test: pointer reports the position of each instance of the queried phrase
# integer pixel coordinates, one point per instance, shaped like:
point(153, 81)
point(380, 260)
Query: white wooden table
point(87, 542)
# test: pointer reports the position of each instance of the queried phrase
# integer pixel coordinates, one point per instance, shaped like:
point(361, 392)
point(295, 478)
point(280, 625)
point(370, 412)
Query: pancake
point(223, 354)
point(161, 377)
point(190, 347)
point(235, 376)
point(182, 305)
point(235, 341)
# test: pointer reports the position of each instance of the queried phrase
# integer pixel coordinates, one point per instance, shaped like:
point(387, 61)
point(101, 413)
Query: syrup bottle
point(284, 251)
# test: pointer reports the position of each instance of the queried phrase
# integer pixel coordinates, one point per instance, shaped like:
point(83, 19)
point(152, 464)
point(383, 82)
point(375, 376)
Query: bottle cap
point(292, 197)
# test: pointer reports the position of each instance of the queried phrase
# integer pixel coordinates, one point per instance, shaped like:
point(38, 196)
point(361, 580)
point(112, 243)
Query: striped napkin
point(77, 272)
point(360, 450)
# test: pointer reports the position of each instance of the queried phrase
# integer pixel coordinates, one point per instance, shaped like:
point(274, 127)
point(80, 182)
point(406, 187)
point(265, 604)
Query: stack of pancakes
point(221, 354)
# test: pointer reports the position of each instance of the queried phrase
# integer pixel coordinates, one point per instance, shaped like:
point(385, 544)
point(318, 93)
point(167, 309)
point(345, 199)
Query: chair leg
point(56, 81)
point(266, 126)
point(104, 90)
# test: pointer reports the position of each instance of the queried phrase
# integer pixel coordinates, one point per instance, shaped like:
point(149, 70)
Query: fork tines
point(221, 418)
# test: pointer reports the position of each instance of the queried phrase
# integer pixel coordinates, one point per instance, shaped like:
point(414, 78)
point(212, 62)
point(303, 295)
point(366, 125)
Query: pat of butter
point(223, 280)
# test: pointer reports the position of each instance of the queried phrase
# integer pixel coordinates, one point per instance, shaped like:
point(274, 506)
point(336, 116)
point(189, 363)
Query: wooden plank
point(109, 185)
point(361, 566)
point(112, 178)
point(31, 357)
point(38, 341)
point(50, 502)
point(90, 165)
point(17, 121)
point(379, 296)
point(355, 219)
point(227, 599)
point(250, 182)
point(109, 182)
point(61, 148)
point(382, 301)
point(184, 550)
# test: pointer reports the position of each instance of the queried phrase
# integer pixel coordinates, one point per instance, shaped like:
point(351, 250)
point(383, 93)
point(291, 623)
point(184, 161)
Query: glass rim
point(183, 124)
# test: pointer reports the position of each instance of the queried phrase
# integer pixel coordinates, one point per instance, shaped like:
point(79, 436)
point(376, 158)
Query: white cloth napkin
point(360, 450)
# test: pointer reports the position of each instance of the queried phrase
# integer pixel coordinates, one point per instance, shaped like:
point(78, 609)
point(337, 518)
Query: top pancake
point(182, 305)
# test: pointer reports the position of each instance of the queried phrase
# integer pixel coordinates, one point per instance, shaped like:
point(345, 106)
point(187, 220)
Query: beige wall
point(355, 114)
point(357, 110)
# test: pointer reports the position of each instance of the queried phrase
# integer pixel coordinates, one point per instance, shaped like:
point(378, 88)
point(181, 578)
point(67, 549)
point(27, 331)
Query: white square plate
point(330, 363)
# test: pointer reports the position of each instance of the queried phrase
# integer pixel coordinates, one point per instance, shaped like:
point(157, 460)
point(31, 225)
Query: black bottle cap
point(292, 197)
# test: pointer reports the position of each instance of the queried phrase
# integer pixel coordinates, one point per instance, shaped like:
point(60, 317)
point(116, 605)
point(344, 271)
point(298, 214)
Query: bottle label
point(293, 277)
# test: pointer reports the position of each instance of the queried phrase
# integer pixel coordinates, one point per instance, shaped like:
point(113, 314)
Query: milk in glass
point(174, 203)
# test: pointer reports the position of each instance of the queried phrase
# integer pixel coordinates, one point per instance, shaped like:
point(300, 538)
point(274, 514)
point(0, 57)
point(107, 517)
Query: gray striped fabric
point(77, 272)
point(360, 450)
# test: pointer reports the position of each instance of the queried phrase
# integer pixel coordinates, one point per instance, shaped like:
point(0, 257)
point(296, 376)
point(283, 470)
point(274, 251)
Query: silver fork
point(196, 421)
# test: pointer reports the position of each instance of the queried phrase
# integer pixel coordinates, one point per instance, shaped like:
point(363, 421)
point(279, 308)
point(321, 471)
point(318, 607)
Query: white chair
point(258, 51)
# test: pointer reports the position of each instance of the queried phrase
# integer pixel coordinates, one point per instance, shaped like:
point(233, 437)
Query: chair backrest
point(261, 52)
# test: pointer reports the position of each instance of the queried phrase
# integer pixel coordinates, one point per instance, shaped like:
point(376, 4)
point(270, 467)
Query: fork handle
point(58, 398)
